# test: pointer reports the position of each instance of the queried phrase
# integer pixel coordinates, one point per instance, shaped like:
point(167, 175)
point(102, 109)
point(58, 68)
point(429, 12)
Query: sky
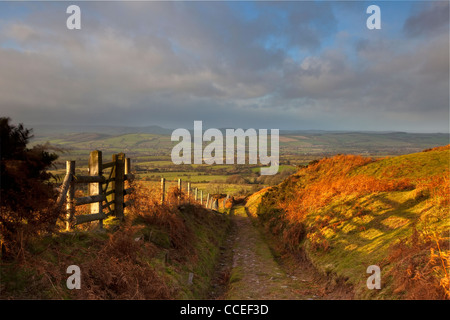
point(294, 65)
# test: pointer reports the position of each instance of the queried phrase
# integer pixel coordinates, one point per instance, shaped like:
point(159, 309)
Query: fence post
point(201, 197)
point(196, 194)
point(95, 188)
point(179, 190)
point(207, 201)
point(127, 172)
point(163, 189)
point(70, 206)
point(118, 184)
point(127, 165)
point(189, 192)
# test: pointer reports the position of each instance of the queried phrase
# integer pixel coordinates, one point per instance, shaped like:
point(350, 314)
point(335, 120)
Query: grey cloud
point(307, 27)
point(433, 19)
point(397, 77)
point(170, 63)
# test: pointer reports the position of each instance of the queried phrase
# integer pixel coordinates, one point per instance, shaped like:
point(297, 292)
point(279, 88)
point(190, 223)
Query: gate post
point(70, 206)
point(95, 188)
point(118, 184)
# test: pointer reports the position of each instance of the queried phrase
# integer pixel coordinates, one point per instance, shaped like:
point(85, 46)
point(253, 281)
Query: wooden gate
point(106, 189)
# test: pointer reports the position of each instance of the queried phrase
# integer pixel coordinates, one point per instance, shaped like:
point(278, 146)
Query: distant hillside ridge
point(349, 212)
point(52, 130)
point(296, 147)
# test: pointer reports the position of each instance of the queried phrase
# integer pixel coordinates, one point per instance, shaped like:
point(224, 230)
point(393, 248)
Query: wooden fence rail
point(192, 195)
point(105, 194)
point(107, 190)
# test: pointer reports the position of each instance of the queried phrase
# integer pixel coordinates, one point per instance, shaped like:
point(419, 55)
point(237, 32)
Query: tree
point(26, 195)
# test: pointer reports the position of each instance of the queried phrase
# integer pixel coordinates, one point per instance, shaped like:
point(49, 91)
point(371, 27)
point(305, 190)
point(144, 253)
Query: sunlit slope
point(350, 212)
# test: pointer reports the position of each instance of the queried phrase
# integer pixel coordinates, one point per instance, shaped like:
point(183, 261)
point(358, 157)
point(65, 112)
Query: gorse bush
point(27, 198)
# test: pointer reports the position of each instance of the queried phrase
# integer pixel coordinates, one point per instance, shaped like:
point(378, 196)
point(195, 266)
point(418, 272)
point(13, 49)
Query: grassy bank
point(160, 252)
point(350, 212)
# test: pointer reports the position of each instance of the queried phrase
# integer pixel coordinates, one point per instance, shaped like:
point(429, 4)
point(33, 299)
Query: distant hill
point(348, 212)
point(310, 142)
point(368, 143)
point(52, 130)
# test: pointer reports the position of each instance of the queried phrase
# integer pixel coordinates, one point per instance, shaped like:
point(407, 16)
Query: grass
point(190, 176)
point(207, 187)
point(414, 166)
point(150, 256)
point(342, 230)
point(348, 213)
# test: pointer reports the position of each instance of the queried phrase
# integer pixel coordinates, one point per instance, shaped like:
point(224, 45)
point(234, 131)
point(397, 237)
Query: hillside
point(297, 147)
point(342, 214)
point(349, 212)
point(328, 222)
point(164, 251)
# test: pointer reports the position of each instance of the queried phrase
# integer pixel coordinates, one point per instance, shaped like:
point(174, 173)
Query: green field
point(151, 154)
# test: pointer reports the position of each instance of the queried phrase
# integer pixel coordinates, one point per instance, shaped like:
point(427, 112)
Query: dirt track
point(249, 271)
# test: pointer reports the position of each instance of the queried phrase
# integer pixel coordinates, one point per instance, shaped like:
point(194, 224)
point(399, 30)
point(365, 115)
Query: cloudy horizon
point(291, 65)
